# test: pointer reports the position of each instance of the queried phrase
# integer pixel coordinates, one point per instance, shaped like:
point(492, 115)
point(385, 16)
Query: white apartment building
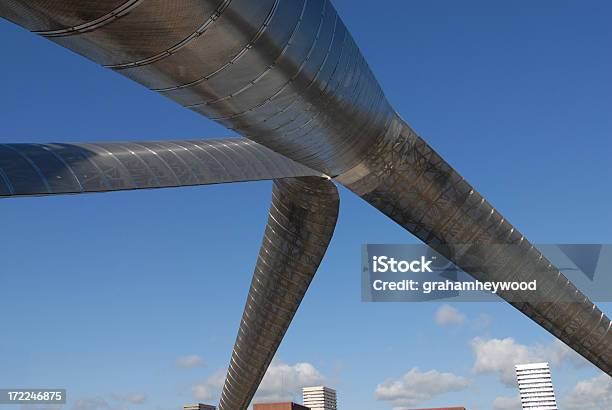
point(319, 398)
point(535, 386)
point(198, 406)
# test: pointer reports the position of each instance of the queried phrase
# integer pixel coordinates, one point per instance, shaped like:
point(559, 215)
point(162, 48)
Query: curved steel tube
point(284, 73)
point(287, 74)
point(302, 219)
point(45, 169)
point(62, 16)
point(408, 181)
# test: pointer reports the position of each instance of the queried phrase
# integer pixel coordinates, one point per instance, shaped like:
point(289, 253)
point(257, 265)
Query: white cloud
point(482, 321)
point(285, 382)
point(415, 387)
point(448, 315)
point(591, 394)
point(500, 355)
point(132, 398)
point(117, 402)
point(209, 388)
point(91, 403)
point(202, 391)
point(187, 362)
point(560, 353)
point(136, 398)
point(281, 382)
point(507, 403)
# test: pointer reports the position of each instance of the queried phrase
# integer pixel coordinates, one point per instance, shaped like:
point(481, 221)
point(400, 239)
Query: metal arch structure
point(287, 76)
point(51, 169)
point(302, 218)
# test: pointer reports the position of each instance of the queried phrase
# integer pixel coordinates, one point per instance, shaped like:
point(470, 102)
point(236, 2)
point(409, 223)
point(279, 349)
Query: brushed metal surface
point(49, 169)
point(300, 226)
point(44, 16)
point(284, 73)
point(288, 75)
point(408, 181)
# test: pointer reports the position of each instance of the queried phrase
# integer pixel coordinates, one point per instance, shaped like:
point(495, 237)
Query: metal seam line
point(183, 149)
point(163, 161)
point(172, 50)
point(117, 166)
point(587, 334)
point(299, 95)
point(247, 164)
point(190, 153)
point(121, 164)
point(252, 150)
point(127, 145)
point(142, 162)
point(236, 57)
point(33, 165)
point(180, 159)
point(68, 167)
point(207, 153)
point(7, 182)
point(80, 149)
point(322, 95)
point(345, 101)
point(94, 24)
point(291, 80)
point(260, 149)
point(329, 86)
point(240, 148)
point(236, 166)
point(265, 72)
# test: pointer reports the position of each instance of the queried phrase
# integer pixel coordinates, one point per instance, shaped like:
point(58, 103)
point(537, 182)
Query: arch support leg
point(301, 222)
point(408, 181)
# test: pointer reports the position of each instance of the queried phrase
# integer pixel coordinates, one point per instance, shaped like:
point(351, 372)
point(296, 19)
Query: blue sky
point(102, 294)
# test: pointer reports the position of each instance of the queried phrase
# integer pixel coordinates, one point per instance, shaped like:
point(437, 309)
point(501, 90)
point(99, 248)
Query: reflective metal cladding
point(287, 75)
point(45, 169)
point(301, 222)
